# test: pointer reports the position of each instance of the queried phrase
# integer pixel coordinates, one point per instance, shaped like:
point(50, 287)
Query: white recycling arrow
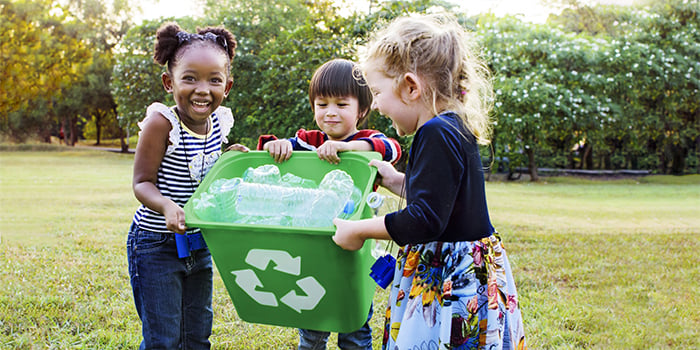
point(314, 292)
point(284, 262)
point(248, 281)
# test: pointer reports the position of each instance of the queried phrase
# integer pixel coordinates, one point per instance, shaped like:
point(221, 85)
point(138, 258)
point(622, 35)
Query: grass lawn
point(599, 264)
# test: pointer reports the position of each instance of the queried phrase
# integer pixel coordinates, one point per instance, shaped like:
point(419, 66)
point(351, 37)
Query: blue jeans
point(360, 339)
point(173, 296)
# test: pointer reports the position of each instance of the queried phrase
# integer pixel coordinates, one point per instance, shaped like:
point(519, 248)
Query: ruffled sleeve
point(225, 121)
point(174, 136)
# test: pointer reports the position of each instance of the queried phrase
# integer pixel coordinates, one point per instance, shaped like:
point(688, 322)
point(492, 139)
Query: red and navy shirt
point(309, 140)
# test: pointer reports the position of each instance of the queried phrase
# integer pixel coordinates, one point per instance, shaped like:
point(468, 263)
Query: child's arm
point(351, 235)
point(390, 178)
point(328, 151)
point(150, 150)
point(389, 148)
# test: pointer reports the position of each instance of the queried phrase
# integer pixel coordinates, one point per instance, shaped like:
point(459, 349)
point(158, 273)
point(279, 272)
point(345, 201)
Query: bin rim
point(193, 221)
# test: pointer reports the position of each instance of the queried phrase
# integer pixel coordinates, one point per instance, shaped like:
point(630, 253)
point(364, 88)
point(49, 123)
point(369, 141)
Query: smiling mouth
point(200, 104)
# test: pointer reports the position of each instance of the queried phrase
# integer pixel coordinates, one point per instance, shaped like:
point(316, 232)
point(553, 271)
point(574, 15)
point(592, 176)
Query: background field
point(599, 264)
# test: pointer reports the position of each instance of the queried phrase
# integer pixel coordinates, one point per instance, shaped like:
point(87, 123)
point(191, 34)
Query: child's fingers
point(329, 152)
point(238, 147)
point(375, 163)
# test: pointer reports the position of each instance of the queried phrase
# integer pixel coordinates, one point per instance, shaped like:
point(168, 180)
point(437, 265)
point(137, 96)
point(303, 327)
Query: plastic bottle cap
point(349, 207)
point(375, 200)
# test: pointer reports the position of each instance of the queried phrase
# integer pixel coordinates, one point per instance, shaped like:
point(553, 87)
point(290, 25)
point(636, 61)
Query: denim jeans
point(360, 339)
point(173, 296)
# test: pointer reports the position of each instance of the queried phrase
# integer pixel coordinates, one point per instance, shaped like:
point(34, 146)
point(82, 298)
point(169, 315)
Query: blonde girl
point(453, 287)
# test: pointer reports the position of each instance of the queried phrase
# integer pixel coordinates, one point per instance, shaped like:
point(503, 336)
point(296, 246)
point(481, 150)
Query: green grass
point(598, 264)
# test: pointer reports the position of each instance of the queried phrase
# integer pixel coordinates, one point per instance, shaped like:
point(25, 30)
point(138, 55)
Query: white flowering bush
point(572, 100)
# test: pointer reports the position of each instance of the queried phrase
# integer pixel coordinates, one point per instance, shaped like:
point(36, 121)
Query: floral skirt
point(453, 295)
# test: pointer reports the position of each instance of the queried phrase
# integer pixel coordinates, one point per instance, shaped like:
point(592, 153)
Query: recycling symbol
point(249, 282)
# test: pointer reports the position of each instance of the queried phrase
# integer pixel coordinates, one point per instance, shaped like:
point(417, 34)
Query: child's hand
point(280, 150)
point(175, 218)
point(345, 236)
point(328, 151)
point(389, 177)
point(237, 147)
point(386, 172)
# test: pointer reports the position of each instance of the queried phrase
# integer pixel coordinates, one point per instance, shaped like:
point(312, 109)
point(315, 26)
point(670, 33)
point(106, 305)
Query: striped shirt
point(310, 140)
point(184, 165)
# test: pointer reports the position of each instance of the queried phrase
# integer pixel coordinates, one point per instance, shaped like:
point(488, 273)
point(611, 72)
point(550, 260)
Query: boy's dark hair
point(338, 78)
point(170, 38)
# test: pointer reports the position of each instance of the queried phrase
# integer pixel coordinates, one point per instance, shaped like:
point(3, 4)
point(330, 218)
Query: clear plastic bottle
point(292, 180)
point(205, 207)
point(264, 174)
point(263, 197)
point(381, 205)
point(338, 181)
point(225, 194)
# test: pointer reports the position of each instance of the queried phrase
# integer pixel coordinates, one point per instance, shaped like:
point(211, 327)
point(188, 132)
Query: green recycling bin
point(292, 276)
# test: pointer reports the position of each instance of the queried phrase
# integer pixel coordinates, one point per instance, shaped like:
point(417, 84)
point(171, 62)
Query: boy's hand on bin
point(280, 150)
point(328, 151)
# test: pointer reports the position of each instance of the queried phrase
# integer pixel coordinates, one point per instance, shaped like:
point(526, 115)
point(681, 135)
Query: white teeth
point(203, 104)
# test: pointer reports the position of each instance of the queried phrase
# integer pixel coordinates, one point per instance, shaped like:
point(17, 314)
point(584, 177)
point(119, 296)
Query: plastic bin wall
point(292, 276)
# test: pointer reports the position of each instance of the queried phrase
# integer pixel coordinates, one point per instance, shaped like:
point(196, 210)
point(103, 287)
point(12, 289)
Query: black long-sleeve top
point(445, 194)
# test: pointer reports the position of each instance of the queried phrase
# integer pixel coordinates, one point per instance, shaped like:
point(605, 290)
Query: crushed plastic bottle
point(292, 180)
point(262, 196)
point(381, 205)
point(264, 174)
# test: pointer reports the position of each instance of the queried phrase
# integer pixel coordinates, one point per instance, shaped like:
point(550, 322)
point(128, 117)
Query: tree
point(546, 91)
point(651, 68)
point(41, 53)
point(136, 77)
point(91, 99)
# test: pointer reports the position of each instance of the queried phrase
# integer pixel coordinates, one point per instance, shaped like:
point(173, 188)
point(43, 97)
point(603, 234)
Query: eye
point(188, 78)
point(217, 80)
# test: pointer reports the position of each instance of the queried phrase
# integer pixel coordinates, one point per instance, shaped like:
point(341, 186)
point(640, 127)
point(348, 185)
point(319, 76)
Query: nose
point(201, 88)
point(374, 105)
point(331, 111)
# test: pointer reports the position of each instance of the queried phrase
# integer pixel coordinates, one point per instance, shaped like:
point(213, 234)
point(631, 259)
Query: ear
point(167, 82)
point(229, 85)
point(411, 87)
point(363, 113)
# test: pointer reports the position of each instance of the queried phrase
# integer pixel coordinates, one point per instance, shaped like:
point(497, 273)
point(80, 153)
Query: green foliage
point(625, 98)
point(41, 52)
point(597, 87)
point(136, 79)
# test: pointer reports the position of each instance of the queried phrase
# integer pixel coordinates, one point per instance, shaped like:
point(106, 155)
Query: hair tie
point(184, 37)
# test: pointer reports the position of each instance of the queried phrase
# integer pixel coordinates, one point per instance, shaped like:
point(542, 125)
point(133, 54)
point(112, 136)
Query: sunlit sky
point(529, 10)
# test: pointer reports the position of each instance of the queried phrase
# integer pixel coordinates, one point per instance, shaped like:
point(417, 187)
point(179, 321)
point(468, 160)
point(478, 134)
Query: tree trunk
point(45, 135)
point(99, 120)
point(678, 154)
point(531, 164)
point(98, 132)
point(123, 136)
point(73, 131)
point(588, 157)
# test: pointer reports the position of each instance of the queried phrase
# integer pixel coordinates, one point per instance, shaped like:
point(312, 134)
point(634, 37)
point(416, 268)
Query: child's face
point(387, 101)
point(199, 82)
point(337, 116)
